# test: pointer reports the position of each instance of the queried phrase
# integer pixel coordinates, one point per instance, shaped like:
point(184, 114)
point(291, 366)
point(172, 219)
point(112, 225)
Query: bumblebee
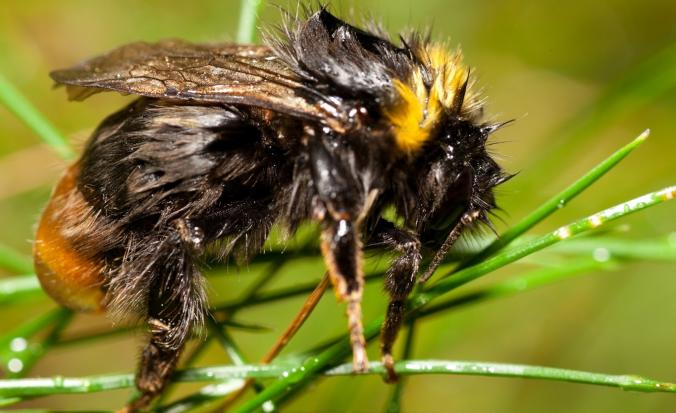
point(326, 123)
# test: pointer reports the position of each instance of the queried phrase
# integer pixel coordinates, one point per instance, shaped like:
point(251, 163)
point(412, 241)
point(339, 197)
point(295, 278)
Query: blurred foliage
point(580, 78)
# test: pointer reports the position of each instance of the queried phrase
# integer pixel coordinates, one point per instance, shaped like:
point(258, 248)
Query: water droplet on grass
point(18, 344)
point(15, 365)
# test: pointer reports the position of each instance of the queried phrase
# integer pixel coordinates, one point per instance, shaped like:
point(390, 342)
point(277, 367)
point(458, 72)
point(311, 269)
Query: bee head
point(435, 121)
point(454, 174)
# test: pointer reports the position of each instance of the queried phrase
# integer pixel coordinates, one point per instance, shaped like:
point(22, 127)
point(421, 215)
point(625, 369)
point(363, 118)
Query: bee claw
point(391, 376)
point(360, 362)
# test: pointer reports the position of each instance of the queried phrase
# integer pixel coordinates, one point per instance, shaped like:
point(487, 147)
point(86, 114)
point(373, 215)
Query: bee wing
point(218, 73)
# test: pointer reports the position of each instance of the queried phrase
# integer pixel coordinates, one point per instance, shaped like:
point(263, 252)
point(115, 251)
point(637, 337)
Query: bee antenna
point(489, 224)
point(492, 127)
point(407, 47)
point(323, 6)
point(505, 177)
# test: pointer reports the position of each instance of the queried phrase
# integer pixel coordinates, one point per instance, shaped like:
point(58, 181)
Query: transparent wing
point(218, 73)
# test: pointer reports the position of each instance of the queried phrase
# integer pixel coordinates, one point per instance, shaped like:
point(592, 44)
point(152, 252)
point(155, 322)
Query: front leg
point(342, 202)
point(399, 282)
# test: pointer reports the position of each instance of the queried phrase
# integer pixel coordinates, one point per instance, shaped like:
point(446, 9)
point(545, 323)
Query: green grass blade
point(520, 284)
point(17, 351)
point(14, 261)
point(31, 117)
point(625, 249)
point(341, 349)
point(13, 289)
point(533, 279)
point(558, 200)
point(508, 256)
point(207, 394)
point(248, 18)
point(33, 387)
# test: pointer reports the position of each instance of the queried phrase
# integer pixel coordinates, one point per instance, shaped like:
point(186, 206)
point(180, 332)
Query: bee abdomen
point(65, 264)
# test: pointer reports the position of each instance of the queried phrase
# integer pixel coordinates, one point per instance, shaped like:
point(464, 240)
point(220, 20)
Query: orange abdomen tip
point(68, 275)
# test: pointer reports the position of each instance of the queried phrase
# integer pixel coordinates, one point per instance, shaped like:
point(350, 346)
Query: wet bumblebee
point(326, 123)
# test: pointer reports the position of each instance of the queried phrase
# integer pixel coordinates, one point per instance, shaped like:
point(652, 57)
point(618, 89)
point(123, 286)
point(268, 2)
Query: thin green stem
point(231, 348)
point(248, 18)
point(18, 354)
point(339, 350)
point(225, 340)
point(205, 395)
point(14, 261)
point(208, 393)
point(16, 288)
point(529, 281)
point(31, 117)
point(91, 336)
point(508, 256)
point(520, 284)
point(13, 289)
point(645, 249)
point(34, 387)
point(62, 321)
point(280, 294)
point(557, 201)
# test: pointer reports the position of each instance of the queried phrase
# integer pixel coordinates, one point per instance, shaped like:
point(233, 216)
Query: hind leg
point(158, 362)
point(175, 304)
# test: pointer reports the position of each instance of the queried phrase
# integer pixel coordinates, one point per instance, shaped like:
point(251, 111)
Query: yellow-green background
point(546, 64)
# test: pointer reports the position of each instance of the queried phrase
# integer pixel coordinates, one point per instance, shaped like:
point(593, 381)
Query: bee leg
point(465, 220)
point(158, 362)
point(342, 203)
point(399, 282)
point(341, 248)
point(175, 304)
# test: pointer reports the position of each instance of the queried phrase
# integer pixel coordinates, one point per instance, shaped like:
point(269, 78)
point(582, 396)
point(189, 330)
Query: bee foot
point(391, 376)
point(360, 362)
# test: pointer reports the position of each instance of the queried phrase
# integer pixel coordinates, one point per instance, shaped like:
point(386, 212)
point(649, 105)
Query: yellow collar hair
point(419, 107)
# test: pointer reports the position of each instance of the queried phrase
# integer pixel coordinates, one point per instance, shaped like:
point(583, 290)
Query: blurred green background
point(581, 79)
